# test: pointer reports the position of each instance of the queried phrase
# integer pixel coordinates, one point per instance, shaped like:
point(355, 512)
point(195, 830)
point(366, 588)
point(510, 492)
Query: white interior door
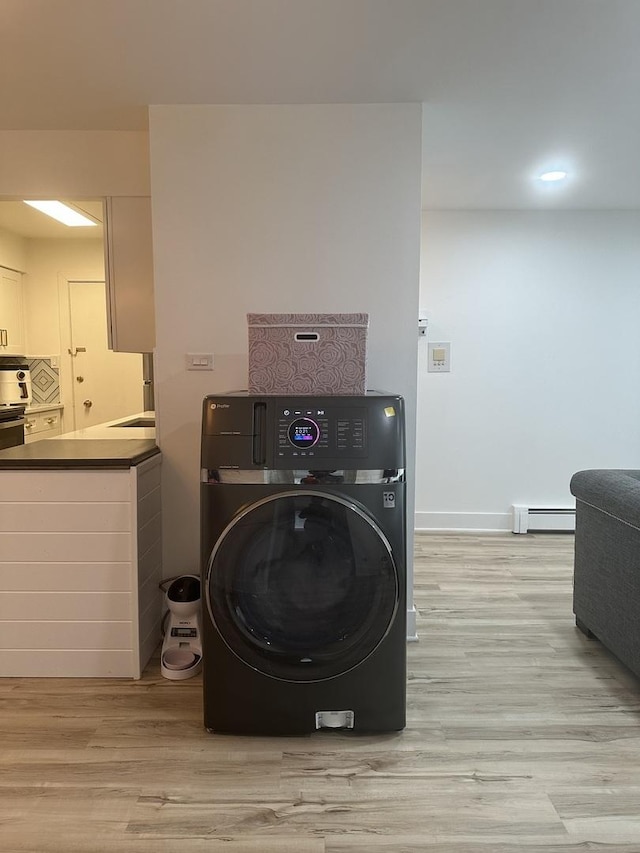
point(106, 385)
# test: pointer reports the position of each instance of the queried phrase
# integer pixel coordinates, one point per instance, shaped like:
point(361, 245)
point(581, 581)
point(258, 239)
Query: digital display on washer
point(303, 432)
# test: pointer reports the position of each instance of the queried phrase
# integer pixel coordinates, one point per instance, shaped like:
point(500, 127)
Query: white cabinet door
point(11, 313)
point(129, 274)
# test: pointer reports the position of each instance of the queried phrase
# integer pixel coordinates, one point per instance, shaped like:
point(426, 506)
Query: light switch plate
point(439, 357)
point(199, 361)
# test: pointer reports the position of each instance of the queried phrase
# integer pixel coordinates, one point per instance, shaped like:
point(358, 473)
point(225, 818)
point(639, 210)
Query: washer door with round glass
point(302, 585)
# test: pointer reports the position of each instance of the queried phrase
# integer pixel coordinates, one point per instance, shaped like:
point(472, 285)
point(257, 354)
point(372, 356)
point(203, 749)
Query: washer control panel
point(307, 432)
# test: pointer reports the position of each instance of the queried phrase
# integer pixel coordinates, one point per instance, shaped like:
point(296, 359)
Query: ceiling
point(18, 218)
point(509, 86)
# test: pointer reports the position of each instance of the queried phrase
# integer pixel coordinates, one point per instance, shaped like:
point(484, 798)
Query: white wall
point(275, 208)
point(49, 264)
point(43, 264)
point(49, 261)
point(542, 311)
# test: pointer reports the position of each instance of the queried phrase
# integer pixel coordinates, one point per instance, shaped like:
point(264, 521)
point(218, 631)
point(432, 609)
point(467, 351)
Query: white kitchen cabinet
point(12, 339)
point(80, 564)
point(129, 274)
point(44, 423)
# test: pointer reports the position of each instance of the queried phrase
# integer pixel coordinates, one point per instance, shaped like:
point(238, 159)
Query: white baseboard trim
point(412, 635)
point(464, 521)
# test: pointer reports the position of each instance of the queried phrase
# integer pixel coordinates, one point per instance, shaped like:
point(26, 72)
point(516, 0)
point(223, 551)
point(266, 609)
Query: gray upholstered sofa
point(606, 587)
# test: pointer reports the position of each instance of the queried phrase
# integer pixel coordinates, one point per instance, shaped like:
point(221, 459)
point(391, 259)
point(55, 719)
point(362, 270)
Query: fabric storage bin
point(307, 353)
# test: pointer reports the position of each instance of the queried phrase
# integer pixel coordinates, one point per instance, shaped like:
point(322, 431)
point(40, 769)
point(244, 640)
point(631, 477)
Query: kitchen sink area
point(136, 425)
point(135, 422)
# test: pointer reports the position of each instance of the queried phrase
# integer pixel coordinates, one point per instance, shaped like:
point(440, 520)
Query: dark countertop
point(73, 454)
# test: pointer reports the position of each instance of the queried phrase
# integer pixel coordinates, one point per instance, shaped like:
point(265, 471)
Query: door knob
point(79, 378)
point(87, 403)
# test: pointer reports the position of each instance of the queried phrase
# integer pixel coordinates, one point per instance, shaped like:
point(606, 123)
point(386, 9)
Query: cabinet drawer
point(41, 424)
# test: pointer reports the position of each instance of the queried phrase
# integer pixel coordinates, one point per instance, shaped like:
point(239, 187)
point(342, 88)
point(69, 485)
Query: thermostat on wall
point(439, 357)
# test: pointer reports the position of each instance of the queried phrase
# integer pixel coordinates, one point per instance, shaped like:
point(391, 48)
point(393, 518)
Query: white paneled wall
point(80, 563)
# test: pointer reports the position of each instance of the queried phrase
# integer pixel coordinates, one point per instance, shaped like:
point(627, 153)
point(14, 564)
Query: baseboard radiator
point(530, 519)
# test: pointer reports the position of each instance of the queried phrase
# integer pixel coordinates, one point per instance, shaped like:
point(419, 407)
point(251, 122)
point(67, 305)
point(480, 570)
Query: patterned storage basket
point(307, 353)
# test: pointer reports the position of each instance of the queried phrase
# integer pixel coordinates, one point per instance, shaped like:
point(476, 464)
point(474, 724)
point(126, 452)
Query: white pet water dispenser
point(182, 645)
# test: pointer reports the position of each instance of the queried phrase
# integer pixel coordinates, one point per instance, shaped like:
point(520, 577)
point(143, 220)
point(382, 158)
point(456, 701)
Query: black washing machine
point(303, 563)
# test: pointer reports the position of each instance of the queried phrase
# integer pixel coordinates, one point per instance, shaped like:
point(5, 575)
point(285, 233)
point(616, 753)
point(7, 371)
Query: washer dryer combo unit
point(303, 563)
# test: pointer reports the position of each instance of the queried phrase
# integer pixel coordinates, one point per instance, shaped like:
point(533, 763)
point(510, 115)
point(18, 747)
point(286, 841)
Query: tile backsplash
point(45, 380)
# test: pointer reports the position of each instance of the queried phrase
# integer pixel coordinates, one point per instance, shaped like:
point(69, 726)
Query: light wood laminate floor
point(522, 736)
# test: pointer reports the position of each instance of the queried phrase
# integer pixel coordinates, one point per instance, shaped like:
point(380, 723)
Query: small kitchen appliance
point(15, 381)
point(182, 646)
point(15, 395)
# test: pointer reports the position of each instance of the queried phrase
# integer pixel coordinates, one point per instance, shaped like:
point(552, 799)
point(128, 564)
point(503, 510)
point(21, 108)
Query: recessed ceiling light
point(556, 175)
point(62, 212)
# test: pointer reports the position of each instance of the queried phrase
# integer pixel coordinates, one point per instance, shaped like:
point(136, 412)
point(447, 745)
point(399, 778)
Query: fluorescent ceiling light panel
point(62, 212)
point(556, 175)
